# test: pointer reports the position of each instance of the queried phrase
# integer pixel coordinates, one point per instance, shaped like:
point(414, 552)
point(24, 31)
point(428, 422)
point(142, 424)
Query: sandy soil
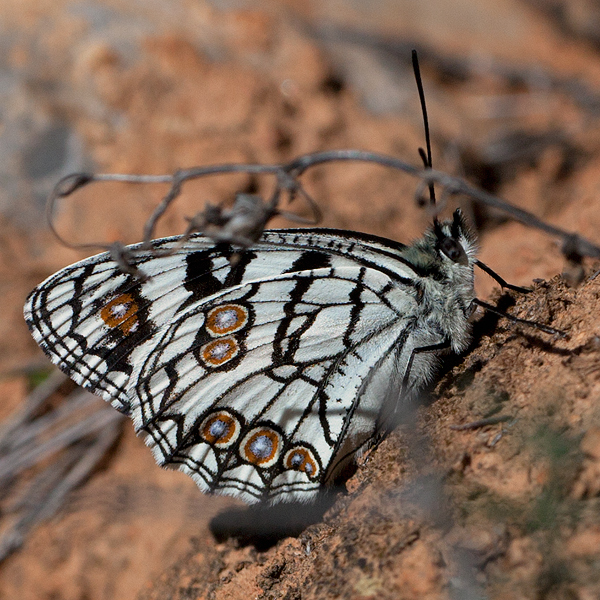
point(509, 508)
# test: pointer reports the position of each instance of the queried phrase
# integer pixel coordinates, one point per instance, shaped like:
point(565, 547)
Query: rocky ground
point(506, 508)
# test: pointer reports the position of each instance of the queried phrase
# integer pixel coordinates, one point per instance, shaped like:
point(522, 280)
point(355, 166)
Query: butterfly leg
point(502, 282)
point(533, 324)
point(387, 417)
point(390, 420)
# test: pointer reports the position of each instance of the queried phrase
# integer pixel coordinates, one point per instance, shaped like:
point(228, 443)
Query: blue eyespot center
point(218, 428)
point(262, 446)
point(302, 458)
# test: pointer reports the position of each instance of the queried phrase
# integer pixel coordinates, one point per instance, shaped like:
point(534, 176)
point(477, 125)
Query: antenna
point(425, 157)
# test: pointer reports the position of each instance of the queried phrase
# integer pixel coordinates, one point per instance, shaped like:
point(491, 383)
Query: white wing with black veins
point(260, 377)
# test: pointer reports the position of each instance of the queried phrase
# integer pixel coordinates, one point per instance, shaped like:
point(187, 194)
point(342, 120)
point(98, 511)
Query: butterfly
point(262, 373)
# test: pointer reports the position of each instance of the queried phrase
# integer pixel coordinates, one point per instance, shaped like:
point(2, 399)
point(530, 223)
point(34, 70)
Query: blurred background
point(513, 91)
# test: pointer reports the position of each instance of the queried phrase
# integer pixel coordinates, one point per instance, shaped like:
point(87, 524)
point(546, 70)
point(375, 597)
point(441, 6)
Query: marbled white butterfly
point(261, 377)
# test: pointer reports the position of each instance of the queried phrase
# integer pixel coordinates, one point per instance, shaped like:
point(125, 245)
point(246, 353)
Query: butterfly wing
point(258, 377)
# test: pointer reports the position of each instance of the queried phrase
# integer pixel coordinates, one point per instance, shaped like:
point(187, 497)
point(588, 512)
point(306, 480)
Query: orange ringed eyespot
point(261, 447)
point(219, 351)
point(225, 319)
point(220, 429)
point(121, 312)
point(302, 459)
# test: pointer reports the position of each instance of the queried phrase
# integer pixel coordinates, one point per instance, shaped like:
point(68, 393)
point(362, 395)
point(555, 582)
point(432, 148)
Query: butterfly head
point(454, 241)
point(446, 251)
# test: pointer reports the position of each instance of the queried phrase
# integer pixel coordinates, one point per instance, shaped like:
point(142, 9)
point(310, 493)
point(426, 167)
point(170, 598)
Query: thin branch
point(482, 423)
point(287, 180)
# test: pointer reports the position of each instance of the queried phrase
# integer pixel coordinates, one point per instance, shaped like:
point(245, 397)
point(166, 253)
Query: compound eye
point(453, 250)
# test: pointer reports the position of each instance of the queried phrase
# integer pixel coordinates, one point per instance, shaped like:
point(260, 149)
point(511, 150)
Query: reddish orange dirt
point(509, 509)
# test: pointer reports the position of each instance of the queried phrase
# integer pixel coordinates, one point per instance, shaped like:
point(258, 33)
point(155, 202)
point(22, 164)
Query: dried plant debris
point(48, 448)
point(246, 220)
